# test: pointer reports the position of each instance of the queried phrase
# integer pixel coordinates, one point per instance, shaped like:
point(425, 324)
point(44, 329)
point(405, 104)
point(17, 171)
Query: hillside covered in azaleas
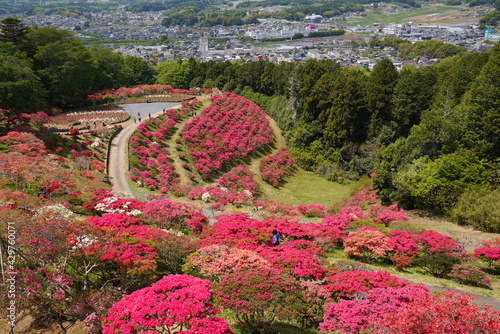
point(167, 264)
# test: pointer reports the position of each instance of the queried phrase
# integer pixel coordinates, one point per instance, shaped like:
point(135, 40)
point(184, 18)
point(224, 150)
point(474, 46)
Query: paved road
point(118, 158)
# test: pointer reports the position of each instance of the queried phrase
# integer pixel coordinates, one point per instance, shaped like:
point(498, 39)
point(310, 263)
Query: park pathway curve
point(118, 158)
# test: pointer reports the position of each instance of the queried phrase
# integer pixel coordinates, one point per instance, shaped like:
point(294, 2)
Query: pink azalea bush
point(216, 261)
point(367, 243)
point(470, 275)
point(169, 214)
point(355, 316)
point(226, 130)
point(176, 303)
point(274, 168)
point(387, 215)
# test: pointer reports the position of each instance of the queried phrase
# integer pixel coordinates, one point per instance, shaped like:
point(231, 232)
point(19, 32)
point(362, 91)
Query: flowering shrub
point(176, 303)
point(228, 129)
point(274, 168)
point(342, 218)
point(355, 316)
point(490, 255)
point(351, 283)
point(470, 275)
point(238, 179)
point(444, 312)
point(113, 204)
point(257, 302)
point(312, 210)
point(216, 261)
point(367, 243)
point(362, 197)
point(166, 213)
point(298, 262)
point(403, 248)
point(434, 242)
point(389, 215)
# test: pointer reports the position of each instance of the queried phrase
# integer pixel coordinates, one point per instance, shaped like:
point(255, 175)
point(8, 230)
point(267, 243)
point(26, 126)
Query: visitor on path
point(135, 121)
point(149, 114)
point(276, 238)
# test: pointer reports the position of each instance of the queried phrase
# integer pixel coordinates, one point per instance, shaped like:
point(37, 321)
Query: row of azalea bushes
point(119, 94)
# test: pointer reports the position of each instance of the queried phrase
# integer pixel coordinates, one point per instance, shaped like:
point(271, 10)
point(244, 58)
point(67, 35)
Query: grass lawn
point(307, 188)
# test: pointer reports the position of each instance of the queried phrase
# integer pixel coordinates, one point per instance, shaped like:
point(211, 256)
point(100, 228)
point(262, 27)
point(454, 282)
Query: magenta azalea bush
point(274, 168)
point(174, 304)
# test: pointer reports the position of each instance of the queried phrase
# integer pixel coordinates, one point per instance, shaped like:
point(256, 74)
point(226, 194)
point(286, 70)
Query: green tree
point(20, 88)
point(346, 118)
point(483, 109)
point(379, 92)
point(65, 67)
point(437, 185)
point(13, 30)
point(140, 72)
point(111, 69)
point(174, 73)
point(412, 95)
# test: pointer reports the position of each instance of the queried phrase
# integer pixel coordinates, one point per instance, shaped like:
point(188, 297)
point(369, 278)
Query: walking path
point(118, 158)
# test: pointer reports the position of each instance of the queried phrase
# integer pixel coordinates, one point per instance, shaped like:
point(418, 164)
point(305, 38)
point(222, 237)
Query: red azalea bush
point(236, 230)
point(298, 262)
point(442, 312)
point(403, 248)
point(367, 243)
point(274, 168)
point(351, 283)
point(176, 303)
point(228, 129)
point(355, 316)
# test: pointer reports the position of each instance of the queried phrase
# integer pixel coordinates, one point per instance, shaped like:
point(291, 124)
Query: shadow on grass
point(277, 328)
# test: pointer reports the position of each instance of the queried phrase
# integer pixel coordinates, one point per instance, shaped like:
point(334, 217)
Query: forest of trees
point(47, 66)
point(429, 135)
